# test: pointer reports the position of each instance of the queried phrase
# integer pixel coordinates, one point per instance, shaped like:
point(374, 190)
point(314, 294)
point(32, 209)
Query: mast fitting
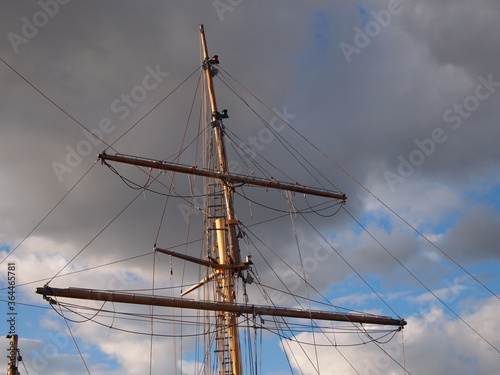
point(220, 115)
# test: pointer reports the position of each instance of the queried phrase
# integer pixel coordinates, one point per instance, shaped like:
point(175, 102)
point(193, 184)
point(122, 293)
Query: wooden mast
point(229, 251)
point(221, 150)
point(12, 366)
point(228, 265)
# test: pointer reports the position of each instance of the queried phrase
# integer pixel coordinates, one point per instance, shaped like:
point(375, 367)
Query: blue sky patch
point(489, 195)
point(381, 220)
point(364, 14)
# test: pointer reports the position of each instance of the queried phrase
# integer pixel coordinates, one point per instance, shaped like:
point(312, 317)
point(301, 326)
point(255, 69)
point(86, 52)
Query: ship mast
point(13, 357)
point(226, 229)
point(228, 265)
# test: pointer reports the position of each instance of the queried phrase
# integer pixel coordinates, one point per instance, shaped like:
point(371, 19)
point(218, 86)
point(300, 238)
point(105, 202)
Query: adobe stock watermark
point(122, 108)
point(249, 150)
point(223, 6)
point(31, 26)
point(363, 36)
point(454, 117)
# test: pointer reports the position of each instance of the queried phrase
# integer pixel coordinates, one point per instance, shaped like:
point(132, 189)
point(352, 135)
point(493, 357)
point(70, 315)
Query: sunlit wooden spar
point(138, 299)
point(13, 355)
point(226, 177)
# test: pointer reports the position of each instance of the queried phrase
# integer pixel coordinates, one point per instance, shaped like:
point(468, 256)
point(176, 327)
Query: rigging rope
point(280, 139)
point(338, 166)
point(93, 239)
point(74, 341)
point(292, 209)
point(404, 354)
point(350, 266)
point(155, 106)
point(425, 286)
point(271, 302)
point(392, 211)
point(24, 365)
point(152, 322)
point(390, 356)
point(159, 229)
point(48, 214)
point(264, 293)
point(287, 212)
point(85, 128)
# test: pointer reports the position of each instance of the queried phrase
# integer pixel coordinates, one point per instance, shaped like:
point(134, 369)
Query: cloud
point(474, 237)
point(427, 341)
point(450, 36)
point(450, 292)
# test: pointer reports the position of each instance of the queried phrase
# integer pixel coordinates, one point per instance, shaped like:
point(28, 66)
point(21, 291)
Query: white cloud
point(448, 293)
point(433, 344)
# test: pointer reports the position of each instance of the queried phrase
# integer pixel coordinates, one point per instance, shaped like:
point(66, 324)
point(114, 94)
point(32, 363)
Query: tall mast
point(225, 229)
point(12, 366)
point(221, 150)
point(227, 264)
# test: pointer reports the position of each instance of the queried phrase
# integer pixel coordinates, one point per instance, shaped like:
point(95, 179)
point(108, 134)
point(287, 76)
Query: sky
point(400, 97)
